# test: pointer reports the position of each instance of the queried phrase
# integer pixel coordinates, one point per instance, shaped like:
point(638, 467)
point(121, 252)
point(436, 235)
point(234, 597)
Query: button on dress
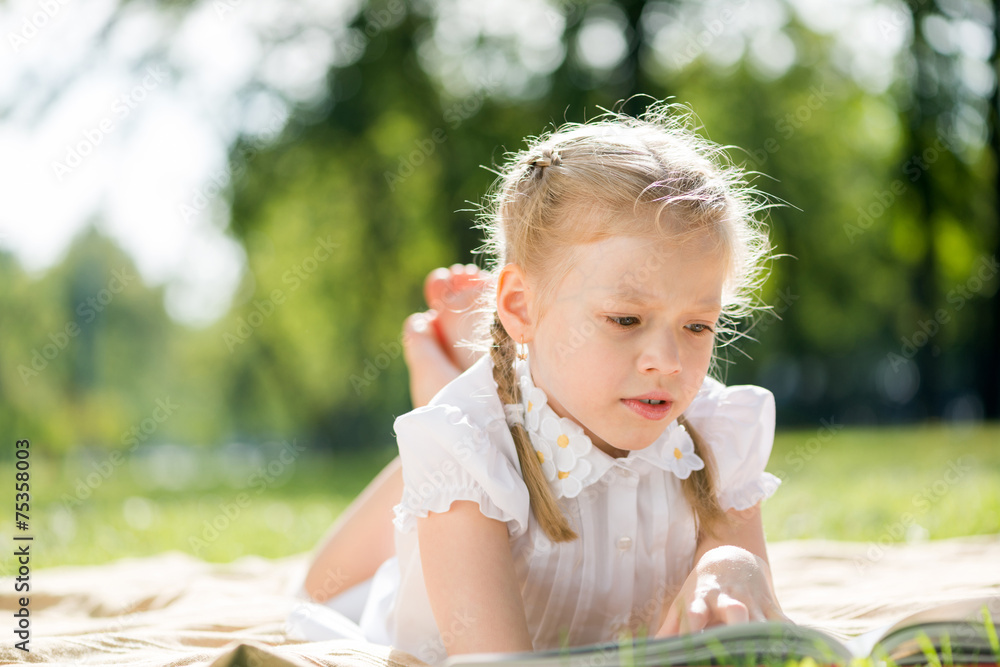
point(637, 535)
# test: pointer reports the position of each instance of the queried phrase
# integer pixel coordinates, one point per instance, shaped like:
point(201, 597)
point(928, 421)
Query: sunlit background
point(215, 216)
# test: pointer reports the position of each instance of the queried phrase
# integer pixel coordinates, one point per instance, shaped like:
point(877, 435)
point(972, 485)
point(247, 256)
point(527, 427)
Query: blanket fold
point(172, 609)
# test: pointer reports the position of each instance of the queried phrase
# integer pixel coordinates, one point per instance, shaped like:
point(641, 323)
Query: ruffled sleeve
point(738, 425)
point(447, 455)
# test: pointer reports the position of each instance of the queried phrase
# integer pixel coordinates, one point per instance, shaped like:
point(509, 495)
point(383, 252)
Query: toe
point(421, 330)
point(418, 324)
point(436, 286)
point(470, 277)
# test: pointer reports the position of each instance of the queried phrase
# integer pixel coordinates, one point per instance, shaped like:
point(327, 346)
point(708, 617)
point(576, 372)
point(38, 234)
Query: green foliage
point(883, 486)
point(89, 508)
point(90, 349)
point(885, 234)
point(877, 486)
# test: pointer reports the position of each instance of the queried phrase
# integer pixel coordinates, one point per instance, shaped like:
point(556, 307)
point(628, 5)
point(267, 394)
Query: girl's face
point(626, 339)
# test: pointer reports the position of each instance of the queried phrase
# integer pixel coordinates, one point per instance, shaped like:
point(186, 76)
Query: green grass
point(882, 485)
point(217, 508)
point(886, 485)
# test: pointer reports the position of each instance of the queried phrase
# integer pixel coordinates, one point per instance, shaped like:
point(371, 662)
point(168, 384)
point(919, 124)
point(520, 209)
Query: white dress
point(636, 530)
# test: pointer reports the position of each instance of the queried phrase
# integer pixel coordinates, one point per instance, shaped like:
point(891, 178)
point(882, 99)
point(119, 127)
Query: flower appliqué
point(560, 444)
point(562, 447)
point(534, 400)
point(683, 460)
point(569, 459)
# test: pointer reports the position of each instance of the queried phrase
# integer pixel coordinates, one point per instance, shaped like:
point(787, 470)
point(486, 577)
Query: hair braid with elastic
point(649, 177)
point(699, 487)
point(543, 502)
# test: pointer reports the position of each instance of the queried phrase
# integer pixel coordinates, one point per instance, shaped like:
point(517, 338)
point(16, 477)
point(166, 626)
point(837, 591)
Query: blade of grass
point(927, 647)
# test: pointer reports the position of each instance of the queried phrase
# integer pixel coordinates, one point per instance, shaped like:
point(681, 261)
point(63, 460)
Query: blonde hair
point(570, 187)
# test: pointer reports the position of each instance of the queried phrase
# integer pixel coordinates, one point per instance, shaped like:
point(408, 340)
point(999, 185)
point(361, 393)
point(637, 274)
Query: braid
point(543, 503)
point(699, 487)
point(651, 177)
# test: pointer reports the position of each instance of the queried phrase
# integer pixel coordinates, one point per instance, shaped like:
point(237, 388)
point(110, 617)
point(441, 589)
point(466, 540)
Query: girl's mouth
point(649, 408)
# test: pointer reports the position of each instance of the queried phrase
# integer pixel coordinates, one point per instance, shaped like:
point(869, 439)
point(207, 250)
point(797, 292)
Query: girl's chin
point(626, 445)
point(611, 451)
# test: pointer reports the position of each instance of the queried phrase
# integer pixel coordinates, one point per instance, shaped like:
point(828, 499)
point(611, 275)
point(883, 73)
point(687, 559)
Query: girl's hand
point(728, 585)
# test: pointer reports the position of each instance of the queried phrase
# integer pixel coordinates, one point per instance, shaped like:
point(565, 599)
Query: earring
point(522, 350)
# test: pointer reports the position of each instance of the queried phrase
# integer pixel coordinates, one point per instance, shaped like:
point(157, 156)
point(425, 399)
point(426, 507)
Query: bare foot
point(429, 366)
point(453, 295)
point(432, 340)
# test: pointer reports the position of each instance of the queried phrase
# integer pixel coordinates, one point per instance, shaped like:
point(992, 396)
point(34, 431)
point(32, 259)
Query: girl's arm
point(469, 574)
point(731, 580)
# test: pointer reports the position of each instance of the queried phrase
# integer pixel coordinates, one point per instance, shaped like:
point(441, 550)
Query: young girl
point(585, 478)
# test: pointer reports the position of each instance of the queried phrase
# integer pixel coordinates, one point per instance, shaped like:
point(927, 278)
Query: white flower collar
point(569, 459)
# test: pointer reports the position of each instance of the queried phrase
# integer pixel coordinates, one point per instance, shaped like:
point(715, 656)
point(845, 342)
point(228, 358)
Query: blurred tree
point(948, 229)
point(841, 299)
point(86, 348)
point(989, 370)
point(375, 177)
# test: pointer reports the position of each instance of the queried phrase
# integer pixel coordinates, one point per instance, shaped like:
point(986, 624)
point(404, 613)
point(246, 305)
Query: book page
point(863, 645)
point(755, 642)
point(969, 611)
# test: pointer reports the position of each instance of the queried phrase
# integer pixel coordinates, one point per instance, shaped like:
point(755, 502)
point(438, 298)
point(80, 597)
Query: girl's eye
point(700, 328)
point(624, 322)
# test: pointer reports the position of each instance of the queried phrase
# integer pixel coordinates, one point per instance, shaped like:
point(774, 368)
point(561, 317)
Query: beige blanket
point(172, 609)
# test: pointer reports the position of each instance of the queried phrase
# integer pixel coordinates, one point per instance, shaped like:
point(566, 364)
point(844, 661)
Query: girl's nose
point(660, 354)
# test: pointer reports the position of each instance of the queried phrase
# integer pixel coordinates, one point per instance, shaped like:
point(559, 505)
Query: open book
point(960, 633)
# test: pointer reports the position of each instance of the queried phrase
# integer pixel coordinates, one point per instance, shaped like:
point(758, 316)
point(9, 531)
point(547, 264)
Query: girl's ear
point(514, 303)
